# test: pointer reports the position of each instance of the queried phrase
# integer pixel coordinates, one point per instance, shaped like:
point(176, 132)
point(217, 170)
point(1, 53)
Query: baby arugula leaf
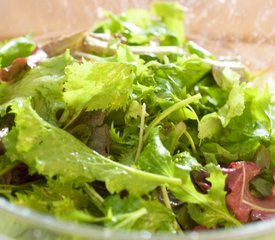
point(155, 158)
point(234, 106)
point(215, 153)
point(210, 126)
point(33, 141)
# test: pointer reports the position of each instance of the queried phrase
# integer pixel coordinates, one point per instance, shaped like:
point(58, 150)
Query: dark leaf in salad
point(239, 200)
point(206, 209)
point(20, 65)
point(44, 83)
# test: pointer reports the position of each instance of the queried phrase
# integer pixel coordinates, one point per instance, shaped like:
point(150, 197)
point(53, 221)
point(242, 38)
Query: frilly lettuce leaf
point(44, 83)
point(90, 86)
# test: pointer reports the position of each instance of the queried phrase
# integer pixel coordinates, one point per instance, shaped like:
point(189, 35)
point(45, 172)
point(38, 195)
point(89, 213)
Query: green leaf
point(140, 27)
point(62, 200)
point(210, 126)
point(245, 150)
point(226, 78)
point(170, 79)
point(15, 48)
point(183, 217)
point(185, 161)
point(92, 86)
point(213, 97)
point(262, 158)
point(194, 48)
point(135, 213)
point(124, 142)
point(5, 165)
point(171, 134)
point(44, 83)
point(262, 185)
point(155, 158)
point(263, 108)
point(172, 15)
point(215, 153)
point(139, 17)
point(125, 55)
point(51, 151)
point(234, 106)
point(244, 127)
point(133, 111)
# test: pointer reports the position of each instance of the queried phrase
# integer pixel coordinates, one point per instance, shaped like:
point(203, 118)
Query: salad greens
point(136, 129)
point(16, 48)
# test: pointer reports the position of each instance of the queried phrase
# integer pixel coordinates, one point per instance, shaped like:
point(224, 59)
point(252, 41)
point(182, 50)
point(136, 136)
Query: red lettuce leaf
point(19, 65)
point(240, 201)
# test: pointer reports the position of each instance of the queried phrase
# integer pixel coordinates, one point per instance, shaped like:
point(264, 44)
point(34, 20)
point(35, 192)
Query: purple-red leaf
point(8, 74)
point(240, 201)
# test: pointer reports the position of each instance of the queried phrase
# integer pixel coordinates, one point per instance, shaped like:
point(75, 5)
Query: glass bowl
point(24, 224)
point(226, 27)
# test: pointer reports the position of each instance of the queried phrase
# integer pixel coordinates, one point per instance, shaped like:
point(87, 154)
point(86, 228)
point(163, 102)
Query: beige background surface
point(226, 27)
point(243, 19)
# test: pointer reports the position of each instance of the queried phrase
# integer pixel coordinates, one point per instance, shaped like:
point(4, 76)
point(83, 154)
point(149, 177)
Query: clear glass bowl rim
point(46, 222)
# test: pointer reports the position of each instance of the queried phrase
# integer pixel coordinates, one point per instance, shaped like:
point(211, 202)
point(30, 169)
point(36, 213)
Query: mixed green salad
point(132, 127)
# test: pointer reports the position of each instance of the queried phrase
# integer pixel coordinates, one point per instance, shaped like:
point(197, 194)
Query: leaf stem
point(168, 205)
point(24, 185)
point(141, 130)
point(197, 119)
point(190, 141)
point(153, 177)
point(168, 111)
point(95, 197)
point(165, 197)
point(7, 168)
point(92, 43)
point(133, 216)
point(74, 117)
